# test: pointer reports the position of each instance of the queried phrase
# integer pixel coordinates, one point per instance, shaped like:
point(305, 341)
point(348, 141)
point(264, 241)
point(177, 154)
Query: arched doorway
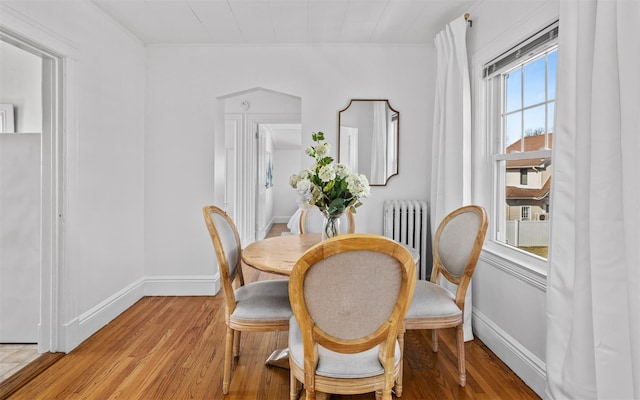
point(245, 154)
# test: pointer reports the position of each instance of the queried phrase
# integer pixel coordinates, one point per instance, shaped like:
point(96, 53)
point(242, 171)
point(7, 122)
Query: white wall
point(180, 143)
point(103, 257)
point(509, 300)
point(286, 162)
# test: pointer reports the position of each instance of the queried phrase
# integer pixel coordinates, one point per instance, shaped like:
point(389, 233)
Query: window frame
point(490, 97)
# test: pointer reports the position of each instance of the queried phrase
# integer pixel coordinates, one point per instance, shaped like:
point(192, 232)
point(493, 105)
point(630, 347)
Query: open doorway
point(33, 180)
point(246, 153)
point(279, 149)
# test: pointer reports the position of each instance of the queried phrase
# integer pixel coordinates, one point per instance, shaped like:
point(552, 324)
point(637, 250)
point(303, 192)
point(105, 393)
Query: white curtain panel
point(593, 292)
point(451, 158)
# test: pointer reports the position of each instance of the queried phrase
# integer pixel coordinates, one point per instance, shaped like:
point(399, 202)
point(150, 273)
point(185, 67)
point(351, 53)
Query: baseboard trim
point(524, 363)
point(188, 285)
point(281, 219)
point(82, 327)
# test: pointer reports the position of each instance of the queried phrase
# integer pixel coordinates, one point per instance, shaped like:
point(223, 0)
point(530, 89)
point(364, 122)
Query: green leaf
point(329, 186)
point(317, 136)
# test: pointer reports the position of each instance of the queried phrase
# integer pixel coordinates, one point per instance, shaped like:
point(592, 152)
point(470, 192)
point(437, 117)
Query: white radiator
point(407, 222)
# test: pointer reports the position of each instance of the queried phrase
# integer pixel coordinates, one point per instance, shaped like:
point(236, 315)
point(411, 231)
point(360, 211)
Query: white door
point(20, 221)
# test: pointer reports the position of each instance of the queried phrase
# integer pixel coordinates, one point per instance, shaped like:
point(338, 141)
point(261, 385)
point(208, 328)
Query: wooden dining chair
point(456, 248)
point(261, 306)
point(311, 221)
point(349, 295)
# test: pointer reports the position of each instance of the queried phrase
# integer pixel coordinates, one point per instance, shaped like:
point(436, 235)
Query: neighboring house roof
point(515, 193)
point(531, 143)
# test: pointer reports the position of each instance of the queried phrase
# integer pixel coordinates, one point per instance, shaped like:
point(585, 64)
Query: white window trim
point(493, 132)
point(521, 264)
point(518, 263)
point(518, 156)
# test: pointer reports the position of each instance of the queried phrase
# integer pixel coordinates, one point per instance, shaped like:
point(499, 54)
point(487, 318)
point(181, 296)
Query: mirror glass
point(368, 139)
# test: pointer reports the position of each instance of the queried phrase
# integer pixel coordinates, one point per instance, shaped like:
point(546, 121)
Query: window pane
point(514, 90)
point(534, 82)
point(551, 68)
point(513, 127)
point(523, 183)
point(534, 121)
point(523, 176)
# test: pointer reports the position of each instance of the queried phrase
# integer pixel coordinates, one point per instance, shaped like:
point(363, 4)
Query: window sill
point(521, 265)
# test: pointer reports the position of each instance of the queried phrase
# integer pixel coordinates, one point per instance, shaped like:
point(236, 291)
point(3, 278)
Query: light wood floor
point(14, 357)
point(172, 348)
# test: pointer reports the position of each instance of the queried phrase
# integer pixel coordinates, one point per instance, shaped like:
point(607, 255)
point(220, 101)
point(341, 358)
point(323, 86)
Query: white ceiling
point(284, 21)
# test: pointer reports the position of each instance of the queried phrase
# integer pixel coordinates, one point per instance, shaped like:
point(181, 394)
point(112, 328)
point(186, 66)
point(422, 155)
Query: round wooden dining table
point(278, 254)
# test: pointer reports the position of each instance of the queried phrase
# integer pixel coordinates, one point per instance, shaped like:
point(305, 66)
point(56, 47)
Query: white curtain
point(593, 291)
point(378, 142)
point(451, 158)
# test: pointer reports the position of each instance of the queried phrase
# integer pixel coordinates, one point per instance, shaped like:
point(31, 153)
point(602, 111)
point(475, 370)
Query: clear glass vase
point(330, 226)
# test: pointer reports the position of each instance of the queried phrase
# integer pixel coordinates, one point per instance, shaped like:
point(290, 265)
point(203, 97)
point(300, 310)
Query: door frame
point(59, 69)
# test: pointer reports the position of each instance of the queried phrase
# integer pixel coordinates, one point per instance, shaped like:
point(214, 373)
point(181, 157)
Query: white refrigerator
point(20, 243)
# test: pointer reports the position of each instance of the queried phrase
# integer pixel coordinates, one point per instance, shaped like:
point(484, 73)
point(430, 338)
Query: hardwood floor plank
point(26, 374)
point(173, 348)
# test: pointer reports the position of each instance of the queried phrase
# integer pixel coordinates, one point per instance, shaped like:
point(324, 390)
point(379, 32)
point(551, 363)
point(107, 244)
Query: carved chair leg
point(461, 362)
point(227, 360)
point(293, 385)
point(236, 344)
point(398, 387)
point(434, 340)
point(385, 395)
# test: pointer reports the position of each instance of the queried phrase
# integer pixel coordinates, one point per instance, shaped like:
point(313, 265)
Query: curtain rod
point(469, 21)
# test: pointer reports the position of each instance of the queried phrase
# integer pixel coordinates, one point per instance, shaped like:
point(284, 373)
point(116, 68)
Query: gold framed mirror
point(368, 139)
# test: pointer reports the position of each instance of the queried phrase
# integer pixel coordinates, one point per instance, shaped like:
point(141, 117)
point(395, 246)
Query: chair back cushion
point(227, 236)
point(351, 294)
point(456, 241)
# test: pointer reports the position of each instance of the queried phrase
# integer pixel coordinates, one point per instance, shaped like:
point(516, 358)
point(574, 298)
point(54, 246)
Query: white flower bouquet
point(329, 186)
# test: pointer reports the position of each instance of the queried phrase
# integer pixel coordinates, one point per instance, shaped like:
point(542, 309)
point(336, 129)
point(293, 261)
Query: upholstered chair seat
point(431, 300)
point(262, 301)
point(338, 365)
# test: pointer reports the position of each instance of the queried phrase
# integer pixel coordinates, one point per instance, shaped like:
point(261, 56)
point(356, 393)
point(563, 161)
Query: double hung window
point(521, 100)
